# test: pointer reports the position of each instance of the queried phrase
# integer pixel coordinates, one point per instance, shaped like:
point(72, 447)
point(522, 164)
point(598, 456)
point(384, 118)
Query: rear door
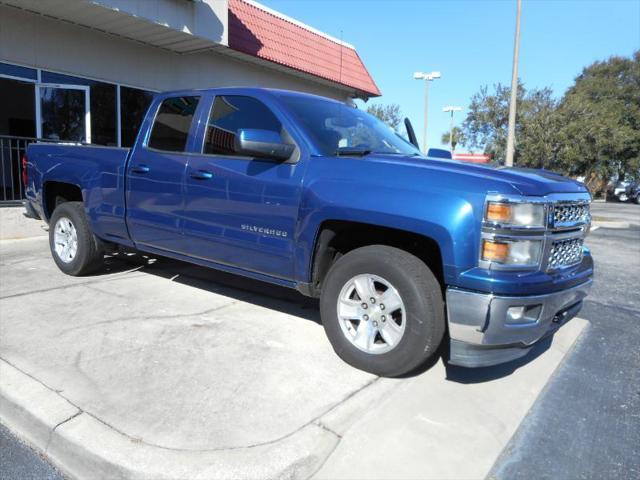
point(155, 186)
point(242, 211)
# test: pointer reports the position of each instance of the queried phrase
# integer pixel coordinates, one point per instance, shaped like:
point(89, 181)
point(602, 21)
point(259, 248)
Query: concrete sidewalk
point(14, 225)
point(158, 369)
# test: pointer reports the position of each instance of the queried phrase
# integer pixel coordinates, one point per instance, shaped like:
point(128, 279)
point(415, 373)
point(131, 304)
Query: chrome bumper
point(487, 329)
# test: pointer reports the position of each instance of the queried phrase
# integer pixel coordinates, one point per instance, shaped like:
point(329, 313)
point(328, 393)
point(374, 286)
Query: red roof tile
point(263, 34)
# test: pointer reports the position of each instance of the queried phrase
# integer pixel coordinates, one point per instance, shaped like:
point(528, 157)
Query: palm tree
point(457, 137)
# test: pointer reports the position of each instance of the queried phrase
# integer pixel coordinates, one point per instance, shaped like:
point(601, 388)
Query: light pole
point(427, 77)
point(514, 92)
point(451, 109)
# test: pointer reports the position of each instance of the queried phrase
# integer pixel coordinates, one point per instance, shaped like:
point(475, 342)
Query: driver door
point(241, 211)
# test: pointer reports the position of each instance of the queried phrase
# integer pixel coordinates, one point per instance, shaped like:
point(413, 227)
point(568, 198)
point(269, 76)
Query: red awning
point(263, 33)
point(472, 157)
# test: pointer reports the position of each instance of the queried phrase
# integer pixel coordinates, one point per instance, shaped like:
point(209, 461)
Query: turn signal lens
point(522, 253)
point(495, 251)
point(498, 212)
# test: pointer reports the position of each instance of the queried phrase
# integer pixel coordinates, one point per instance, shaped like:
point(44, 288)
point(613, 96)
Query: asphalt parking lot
point(587, 422)
point(615, 211)
point(160, 354)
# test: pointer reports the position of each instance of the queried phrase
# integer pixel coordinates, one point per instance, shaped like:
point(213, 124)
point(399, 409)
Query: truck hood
point(527, 181)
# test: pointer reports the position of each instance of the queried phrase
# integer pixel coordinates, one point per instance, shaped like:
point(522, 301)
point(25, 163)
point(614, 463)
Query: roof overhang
point(180, 27)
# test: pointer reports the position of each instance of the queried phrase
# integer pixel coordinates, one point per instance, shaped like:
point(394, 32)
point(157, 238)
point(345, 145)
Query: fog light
point(522, 315)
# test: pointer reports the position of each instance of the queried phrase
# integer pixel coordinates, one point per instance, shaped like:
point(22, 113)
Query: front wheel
point(382, 310)
point(74, 247)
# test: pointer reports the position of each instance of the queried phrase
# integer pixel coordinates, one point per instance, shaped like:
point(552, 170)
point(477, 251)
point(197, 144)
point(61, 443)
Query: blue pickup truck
point(403, 251)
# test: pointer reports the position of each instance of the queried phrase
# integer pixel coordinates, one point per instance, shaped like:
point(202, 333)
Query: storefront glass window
point(102, 99)
point(133, 107)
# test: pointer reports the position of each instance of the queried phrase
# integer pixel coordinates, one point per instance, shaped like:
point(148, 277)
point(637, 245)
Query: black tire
point(89, 256)
point(420, 293)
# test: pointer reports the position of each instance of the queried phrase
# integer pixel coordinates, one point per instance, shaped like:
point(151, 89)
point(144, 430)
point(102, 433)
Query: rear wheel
point(382, 310)
point(75, 249)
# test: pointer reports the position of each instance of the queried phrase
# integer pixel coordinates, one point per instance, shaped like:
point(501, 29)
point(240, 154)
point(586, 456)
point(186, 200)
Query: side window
point(171, 127)
point(231, 112)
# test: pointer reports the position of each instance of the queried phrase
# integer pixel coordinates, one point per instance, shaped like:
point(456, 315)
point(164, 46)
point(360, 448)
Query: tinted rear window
point(173, 121)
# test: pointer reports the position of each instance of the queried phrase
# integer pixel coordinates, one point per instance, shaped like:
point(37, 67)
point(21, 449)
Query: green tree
point(593, 131)
point(537, 145)
point(485, 127)
point(600, 121)
point(390, 114)
point(457, 137)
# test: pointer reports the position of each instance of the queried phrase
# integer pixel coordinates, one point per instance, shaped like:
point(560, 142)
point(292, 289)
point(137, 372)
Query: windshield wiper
point(352, 152)
point(399, 153)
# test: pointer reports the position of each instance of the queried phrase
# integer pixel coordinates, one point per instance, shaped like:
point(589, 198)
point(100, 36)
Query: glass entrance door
point(64, 113)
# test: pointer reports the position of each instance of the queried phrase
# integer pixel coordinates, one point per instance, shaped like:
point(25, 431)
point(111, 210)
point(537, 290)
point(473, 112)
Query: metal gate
point(11, 151)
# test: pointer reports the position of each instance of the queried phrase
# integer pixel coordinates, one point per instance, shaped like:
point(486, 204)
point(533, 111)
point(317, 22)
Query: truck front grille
point(565, 253)
point(570, 213)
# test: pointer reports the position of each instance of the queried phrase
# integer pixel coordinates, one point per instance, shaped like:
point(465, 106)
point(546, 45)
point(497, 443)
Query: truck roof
point(253, 91)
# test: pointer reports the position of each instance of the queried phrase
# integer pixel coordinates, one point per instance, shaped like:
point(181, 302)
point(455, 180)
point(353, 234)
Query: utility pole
point(451, 109)
point(427, 77)
point(514, 92)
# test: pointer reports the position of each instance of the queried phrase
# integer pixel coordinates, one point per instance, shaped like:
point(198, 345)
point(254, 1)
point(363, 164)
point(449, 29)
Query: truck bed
point(99, 173)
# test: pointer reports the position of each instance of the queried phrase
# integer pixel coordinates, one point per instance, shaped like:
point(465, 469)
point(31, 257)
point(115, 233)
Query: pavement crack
point(79, 412)
point(324, 427)
point(115, 277)
point(314, 421)
point(150, 317)
point(57, 391)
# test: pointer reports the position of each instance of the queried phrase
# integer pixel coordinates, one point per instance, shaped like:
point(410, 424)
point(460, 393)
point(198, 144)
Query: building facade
point(86, 70)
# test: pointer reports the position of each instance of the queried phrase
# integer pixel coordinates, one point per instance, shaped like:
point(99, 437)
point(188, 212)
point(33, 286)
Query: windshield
point(335, 126)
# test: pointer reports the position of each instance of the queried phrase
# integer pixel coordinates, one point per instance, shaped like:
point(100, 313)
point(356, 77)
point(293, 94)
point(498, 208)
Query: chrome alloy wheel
point(65, 239)
point(371, 314)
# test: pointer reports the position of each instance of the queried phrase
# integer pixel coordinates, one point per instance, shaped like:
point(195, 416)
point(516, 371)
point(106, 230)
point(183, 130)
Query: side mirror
point(262, 143)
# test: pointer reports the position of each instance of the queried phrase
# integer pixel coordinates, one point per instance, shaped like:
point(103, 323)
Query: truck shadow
point(291, 302)
point(239, 288)
point(486, 374)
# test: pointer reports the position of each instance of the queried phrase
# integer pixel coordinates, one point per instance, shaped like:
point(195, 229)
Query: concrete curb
point(29, 408)
point(82, 446)
point(612, 224)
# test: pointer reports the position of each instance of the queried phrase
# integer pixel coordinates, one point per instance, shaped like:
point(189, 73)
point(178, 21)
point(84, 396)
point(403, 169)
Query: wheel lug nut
point(383, 318)
point(375, 324)
point(365, 317)
point(372, 300)
point(382, 306)
point(365, 306)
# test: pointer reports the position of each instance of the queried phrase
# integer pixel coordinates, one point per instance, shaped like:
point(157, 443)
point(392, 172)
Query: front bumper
point(487, 329)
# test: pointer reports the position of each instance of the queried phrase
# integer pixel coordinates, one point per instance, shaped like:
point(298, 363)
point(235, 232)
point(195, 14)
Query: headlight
point(525, 253)
point(515, 214)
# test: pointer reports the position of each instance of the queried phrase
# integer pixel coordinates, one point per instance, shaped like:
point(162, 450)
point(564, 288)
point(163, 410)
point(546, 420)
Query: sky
point(471, 43)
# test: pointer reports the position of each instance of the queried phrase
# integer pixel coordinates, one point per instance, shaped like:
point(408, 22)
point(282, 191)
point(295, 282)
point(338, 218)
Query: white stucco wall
point(36, 41)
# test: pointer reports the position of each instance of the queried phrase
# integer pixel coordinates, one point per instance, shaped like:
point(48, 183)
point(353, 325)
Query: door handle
point(202, 175)
point(140, 169)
